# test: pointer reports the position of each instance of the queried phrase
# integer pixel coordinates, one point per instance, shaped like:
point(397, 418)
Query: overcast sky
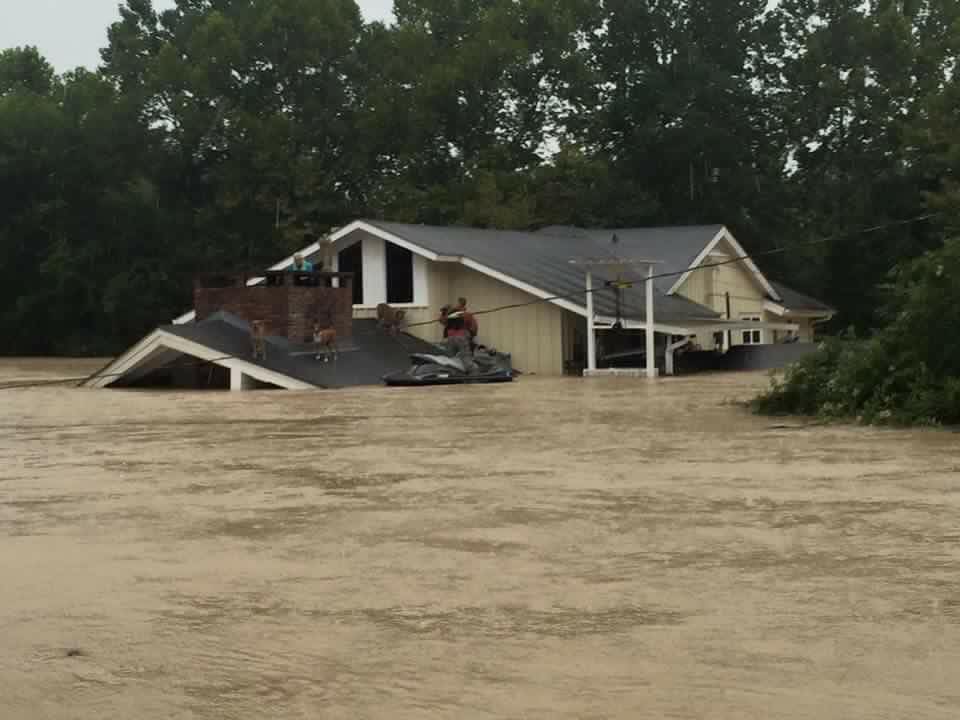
point(71, 32)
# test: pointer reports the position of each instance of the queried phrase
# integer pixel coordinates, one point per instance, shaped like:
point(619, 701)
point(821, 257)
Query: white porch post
point(591, 333)
point(239, 380)
point(670, 354)
point(651, 360)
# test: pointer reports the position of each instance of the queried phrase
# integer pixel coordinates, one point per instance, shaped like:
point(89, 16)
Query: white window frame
point(374, 259)
point(751, 337)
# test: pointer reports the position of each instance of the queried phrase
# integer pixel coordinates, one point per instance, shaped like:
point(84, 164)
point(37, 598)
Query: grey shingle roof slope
point(371, 353)
point(674, 247)
point(542, 260)
point(793, 300)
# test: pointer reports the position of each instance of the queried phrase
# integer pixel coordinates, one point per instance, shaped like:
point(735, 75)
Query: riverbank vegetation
point(907, 373)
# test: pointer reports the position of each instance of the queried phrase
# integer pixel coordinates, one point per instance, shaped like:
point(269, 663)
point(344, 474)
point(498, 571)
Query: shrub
point(907, 373)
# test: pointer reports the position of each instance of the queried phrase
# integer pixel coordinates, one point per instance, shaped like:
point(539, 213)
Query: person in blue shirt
point(301, 265)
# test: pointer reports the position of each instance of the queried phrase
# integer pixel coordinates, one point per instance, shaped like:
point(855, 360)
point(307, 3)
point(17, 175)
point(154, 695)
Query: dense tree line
point(224, 133)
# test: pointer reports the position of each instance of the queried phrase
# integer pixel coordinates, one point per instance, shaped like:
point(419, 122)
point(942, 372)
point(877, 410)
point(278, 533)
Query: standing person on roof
point(458, 339)
point(470, 321)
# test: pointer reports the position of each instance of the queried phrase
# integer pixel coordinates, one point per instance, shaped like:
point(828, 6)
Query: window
point(399, 274)
point(350, 260)
point(752, 337)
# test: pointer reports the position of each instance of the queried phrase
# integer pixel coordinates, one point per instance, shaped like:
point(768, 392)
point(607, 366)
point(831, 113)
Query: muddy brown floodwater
point(550, 549)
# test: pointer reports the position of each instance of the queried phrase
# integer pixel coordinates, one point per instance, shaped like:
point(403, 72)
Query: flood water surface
point(552, 549)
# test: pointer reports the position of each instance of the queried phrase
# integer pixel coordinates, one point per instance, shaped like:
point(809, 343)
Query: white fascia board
point(775, 308)
point(126, 362)
point(725, 234)
point(782, 311)
point(383, 235)
point(525, 287)
point(202, 352)
point(162, 340)
point(748, 261)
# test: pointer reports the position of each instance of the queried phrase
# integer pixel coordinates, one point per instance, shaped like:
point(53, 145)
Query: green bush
point(907, 373)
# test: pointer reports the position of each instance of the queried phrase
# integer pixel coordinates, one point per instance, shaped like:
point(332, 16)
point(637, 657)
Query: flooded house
point(561, 300)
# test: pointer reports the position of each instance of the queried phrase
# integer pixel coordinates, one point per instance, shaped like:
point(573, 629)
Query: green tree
point(855, 80)
point(906, 373)
point(461, 98)
point(682, 109)
point(256, 101)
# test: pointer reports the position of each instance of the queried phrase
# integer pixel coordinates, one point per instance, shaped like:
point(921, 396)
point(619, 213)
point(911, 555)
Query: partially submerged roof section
point(224, 340)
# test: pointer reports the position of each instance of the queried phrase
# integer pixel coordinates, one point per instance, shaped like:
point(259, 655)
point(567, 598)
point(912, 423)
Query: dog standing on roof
point(259, 340)
point(390, 318)
point(325, 342)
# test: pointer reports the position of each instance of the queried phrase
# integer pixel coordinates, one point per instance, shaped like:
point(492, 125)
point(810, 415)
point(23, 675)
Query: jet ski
point(442, 369)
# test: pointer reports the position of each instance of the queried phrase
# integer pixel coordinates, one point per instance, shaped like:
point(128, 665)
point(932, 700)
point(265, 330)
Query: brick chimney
point(289, 303)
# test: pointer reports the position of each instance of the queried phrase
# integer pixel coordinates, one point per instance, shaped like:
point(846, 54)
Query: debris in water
point(786, 426)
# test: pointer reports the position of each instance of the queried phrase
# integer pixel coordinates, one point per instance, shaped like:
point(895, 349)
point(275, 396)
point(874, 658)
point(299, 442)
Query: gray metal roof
point(542, 260)
point(797, 301)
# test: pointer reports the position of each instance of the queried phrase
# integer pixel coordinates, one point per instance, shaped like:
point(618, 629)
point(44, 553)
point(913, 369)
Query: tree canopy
point(225, 133)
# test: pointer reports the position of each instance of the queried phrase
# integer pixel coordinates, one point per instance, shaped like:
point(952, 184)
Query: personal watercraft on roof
point(441, 369)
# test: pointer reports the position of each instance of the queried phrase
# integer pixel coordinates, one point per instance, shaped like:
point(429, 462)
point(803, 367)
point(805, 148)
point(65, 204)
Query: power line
point(811, 243)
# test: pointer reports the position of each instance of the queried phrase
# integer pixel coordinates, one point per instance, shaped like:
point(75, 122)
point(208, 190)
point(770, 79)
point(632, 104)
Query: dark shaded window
point(350, 260)
point(399, 274)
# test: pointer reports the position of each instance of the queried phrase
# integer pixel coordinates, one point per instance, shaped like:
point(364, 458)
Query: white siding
point(421, 281)
point(374, 271)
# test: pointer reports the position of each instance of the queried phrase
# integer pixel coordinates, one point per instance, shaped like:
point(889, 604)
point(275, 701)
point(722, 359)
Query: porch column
point(669, 354)
point(651, 359)
point(591, 333)
point(240, 380)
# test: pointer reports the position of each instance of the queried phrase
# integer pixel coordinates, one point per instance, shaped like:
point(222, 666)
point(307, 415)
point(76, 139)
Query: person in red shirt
point(458, 339)
point(470, 321)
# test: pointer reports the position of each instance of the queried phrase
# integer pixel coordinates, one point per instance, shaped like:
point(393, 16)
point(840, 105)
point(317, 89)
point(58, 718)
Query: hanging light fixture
point(617, 286)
